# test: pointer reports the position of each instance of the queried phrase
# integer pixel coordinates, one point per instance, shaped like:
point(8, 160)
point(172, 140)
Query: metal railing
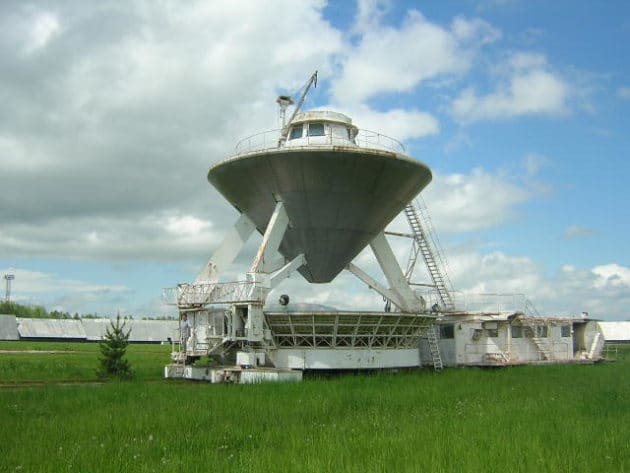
point(489, 303)
point(213, 293)
point(268, 140)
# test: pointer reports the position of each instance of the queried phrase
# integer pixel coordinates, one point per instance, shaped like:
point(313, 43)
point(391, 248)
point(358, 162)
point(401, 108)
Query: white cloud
point(111, 118)
point(108, 131)
point(464, 203)
point(30, 285)
point(624, 92)
point(396, 123)
point(377, 65)
point(45, 27)
point(525, 61)
point(576, 231)
point(460, 140)
point(153, 237)
point(485, 281)
point(611, 275)
point(533, 163)
point(603, 291)
point(474, 30)
point(188, 225)
point(527, 87)
point(370, 14)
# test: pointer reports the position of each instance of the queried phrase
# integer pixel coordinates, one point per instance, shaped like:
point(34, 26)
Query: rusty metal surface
point(337, 198)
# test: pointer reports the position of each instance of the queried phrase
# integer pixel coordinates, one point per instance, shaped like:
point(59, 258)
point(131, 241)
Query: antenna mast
point(284, 101)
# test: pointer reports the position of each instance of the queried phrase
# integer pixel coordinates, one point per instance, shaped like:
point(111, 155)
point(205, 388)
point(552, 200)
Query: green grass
point(72, 361)
point(562, 418)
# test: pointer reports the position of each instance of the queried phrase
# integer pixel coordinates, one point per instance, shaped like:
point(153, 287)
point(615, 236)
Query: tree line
point(40, 312)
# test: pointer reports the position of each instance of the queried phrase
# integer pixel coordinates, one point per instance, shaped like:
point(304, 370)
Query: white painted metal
point(8, 327)
point(374, 284)
point(50, 328)
point(328, 219)
point(284, 272)
point(426, 244)
point(407, 300)
point(615, 331)
point(231, 374)
point(502, 339)
point(342, 358)
point(246, 359)
point(227, 251)
point(285, 129)
point(357, 330)
point(434, 348)
point(272, 238)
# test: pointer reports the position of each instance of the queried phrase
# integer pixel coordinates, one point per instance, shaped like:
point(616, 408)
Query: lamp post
point(8, 278)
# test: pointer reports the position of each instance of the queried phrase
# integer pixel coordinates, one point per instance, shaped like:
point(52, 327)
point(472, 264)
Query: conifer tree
point(113, 348)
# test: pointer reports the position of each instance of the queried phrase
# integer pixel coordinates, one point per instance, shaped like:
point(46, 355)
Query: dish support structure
point(225, 322)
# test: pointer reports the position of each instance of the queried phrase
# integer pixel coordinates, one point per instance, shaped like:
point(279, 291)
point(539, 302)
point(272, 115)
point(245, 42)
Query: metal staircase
point(542, 343)
point(425, 242)
point(544, 348)
point(434, 348)
point(530, 309)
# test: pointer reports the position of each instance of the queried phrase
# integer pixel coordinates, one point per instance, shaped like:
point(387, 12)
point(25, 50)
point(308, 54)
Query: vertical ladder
point(434, 348)
point(425, 243)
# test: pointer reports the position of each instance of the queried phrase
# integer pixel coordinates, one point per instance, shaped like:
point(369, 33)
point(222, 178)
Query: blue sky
point(114, 113)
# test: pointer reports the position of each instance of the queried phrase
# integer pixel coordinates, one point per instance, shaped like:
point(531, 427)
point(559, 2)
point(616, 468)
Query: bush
point(113, 348)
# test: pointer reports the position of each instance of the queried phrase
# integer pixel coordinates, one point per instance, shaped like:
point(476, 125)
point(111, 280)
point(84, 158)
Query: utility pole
point(7, 293)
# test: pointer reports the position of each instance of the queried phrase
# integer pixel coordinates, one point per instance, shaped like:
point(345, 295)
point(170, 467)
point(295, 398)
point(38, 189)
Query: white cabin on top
point(321, 127)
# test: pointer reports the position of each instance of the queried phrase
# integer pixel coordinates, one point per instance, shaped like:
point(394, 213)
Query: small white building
point(486, 339)
point(616, 332)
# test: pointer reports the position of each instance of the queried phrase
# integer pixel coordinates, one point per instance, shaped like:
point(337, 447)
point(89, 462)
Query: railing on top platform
point(212, 293)
point(268, 140)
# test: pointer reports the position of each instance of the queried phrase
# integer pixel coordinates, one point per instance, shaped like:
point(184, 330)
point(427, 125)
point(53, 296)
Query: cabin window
point(316, 129)
point(296, 132)
point(447, 331)
point(492, 332)
point(517, 331)
point(541, 331)
point(565, 331)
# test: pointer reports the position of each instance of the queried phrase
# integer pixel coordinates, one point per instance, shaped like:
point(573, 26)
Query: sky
point(112, 113)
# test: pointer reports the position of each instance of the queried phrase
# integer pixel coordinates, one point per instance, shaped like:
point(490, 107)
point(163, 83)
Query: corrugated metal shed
point(95, 328)
point(153, 330)
point(8, 327)
point(50, 328)
point(141, 330)
point(14, 328)
point(616, 331)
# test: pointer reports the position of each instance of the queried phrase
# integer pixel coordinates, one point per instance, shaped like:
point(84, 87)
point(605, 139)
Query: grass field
point(562, 418)
point(68, 361)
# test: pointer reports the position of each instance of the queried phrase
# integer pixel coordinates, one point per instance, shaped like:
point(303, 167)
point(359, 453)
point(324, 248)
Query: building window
point(447, 331)
point(296, 132)
point(565, 331)
point(492, 332)
point(517, 331)
point(541, 331)
point(316, 129)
